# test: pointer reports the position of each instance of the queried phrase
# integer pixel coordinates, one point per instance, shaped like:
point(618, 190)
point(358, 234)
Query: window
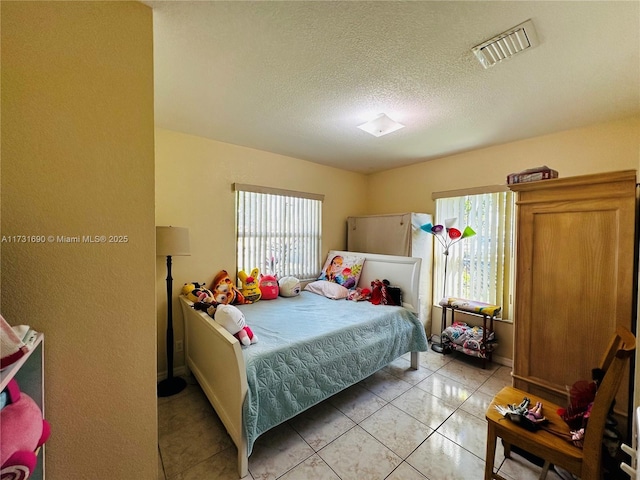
point(278, 231)
point(479, 267)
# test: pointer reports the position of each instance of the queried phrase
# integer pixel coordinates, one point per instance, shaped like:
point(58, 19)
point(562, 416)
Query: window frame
point(507, 248)
point(303, 221)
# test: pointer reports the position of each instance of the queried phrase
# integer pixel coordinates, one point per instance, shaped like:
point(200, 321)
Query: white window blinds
point(278, 231)
point(480, 267)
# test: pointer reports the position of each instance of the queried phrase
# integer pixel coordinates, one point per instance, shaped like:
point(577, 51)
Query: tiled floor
point(398, 424)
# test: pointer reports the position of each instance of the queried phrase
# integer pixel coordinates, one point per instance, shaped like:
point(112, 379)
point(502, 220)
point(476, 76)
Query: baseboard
point(507, 362)
point(177, 371)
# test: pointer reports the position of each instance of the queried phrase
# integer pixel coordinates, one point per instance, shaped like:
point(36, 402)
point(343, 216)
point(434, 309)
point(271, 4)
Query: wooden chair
point(585, 462)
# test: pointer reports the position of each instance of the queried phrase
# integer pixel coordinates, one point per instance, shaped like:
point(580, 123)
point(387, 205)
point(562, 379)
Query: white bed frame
point(214, 356)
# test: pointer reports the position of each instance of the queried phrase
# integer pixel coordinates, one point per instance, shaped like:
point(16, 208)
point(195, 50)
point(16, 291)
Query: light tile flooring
point(398, 424)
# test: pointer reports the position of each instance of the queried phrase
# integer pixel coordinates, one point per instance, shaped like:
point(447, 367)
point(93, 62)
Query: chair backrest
point(613, 364)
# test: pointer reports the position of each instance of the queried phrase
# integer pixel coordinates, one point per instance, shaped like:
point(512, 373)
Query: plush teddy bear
point(250, 288)
point(225, 292)
point(23, 431)
point(232, 319)
point(269, 287)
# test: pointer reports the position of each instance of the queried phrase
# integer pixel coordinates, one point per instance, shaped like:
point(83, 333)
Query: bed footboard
point(214, 356)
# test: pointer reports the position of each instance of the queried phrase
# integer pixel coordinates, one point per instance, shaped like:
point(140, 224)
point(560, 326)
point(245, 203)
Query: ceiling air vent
point(507, 44)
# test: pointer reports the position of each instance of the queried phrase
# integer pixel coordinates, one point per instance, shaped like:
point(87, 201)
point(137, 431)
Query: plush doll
point(197, 292)
point(250, 288)
point(289, 286)
point(187, 288)
point(23, 431)
point(269, 287)
point(224, 291)
point(359, 294)
point(232, 319)
point(381, 293)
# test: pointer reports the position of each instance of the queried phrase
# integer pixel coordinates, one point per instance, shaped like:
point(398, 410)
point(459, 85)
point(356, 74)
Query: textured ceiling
point(296, 78)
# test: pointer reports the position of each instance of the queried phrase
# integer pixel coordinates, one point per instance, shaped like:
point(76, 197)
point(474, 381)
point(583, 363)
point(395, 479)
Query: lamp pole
point(439, 347)
point(447, 236)
point(171, 385)
point(171, 241)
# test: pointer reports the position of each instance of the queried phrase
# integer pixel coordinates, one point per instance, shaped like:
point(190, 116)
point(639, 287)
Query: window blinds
point(479, 267)
point(278, 231)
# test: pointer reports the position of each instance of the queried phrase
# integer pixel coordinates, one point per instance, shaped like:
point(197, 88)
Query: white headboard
point(403, 272)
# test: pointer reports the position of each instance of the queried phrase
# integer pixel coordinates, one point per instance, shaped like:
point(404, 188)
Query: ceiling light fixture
point(507, 44)
point(381, 125)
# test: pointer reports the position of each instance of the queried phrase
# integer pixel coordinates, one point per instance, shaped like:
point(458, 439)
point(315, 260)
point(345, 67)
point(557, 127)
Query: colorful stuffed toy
point(23, 431)
point(197, 292)
point(250, 288)
point(232, 319)
point(225, 292)
point(289, 286)
point(269, 287)
point(359, 294)
point(382, 293)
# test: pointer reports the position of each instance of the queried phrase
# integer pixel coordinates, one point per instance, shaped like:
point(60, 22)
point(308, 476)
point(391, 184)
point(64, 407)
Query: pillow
point(344, 270)
point(327, 289)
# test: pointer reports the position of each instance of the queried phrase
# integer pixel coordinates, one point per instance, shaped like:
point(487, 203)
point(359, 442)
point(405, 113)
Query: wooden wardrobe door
point(574, 278)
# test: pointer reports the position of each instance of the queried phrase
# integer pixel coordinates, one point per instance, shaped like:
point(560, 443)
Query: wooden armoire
point(574, 279)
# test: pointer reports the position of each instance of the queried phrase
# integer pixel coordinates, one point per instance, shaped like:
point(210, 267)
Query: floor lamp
point(447, 235)
point(171, 241)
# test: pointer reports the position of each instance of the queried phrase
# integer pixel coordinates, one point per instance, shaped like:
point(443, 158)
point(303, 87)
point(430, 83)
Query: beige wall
point(599, 148)
point(77, 144)
point(78, 159)
point(194, 178)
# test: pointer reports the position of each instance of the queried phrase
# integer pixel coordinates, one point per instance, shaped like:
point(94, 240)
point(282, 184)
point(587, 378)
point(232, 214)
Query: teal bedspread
point(311, 347)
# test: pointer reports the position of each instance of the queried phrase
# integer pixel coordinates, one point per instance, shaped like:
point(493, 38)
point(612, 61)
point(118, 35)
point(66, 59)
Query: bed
point(323, 347)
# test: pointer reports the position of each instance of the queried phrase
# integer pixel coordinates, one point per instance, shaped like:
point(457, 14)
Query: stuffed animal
point(250, 288)
point(232, 319)
point(359, 294)
point(269, 287)
point(197, 292)
point(187, 288)
point(225, 292)
point(382, 293)
point(289, 286)
point(202, 306)
point(23, 431)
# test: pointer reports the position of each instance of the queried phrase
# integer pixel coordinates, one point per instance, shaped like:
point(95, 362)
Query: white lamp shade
point(172, 241)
